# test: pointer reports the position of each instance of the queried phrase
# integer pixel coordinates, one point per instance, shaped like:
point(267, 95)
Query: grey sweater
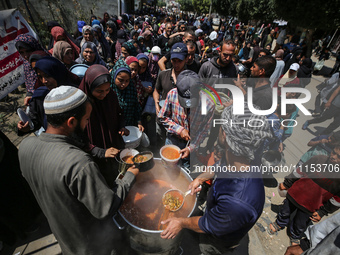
point(73, 194)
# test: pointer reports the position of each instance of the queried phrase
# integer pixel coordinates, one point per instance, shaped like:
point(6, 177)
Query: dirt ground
point(8, 114)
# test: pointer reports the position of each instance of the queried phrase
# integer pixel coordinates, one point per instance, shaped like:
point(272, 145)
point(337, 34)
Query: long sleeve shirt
point(72, 193)
point(175, 118)
point(315, 186)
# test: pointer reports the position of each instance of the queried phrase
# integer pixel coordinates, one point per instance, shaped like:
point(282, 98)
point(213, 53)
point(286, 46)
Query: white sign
point(12, 75)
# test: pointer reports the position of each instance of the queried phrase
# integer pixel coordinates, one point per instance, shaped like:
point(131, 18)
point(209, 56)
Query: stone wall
point(66, 12)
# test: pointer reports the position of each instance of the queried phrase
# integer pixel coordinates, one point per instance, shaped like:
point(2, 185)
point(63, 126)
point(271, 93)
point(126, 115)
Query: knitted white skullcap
point(63, 99)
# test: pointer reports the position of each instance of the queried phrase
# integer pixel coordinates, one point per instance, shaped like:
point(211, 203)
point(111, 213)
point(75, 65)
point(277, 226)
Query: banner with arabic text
point(12, 24)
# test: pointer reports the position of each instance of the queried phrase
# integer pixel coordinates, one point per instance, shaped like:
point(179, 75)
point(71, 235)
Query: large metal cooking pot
point(143, 210)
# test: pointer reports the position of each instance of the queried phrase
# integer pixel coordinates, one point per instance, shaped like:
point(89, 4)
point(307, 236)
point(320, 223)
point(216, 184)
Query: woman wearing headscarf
point(52, 24)
point(121, 38)
point(92, 18)
point(295, 58)
point(149, 109)
point(63, 51)
point(25, 45)
point(126, 23)
point(52, 73)
point(106, 124)
point(58, 34)
point(140, 42)
point(97, 22)
point(105, 20)
point(132, 62)
point(305, 71)
point(104, 45)
point(111, 32)
point(153, 66)
point(88, 36)
point(35, 56)
point(134, 35)
point(111, 36)
point(144, 72)
point(128, 49)
point(148, 40)
point(126, 93)
point(89, 55)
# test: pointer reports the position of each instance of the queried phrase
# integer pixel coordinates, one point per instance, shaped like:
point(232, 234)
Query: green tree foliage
point(255, 9)
point(186, 5)
point(201, 6)
point(225, 7)
point(161, 3)
point(309, 14)
point(246, 9)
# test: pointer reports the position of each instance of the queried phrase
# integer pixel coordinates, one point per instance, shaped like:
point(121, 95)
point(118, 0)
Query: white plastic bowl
point(134, 138)
point(172, 161)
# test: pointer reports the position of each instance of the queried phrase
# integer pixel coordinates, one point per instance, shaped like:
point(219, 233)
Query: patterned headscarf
point(130, 48)
point(127, 97)
point(85, 28)
point(29, 42)
point(243, 139)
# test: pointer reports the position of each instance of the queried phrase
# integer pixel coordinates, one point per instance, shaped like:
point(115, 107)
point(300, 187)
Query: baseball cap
point(188, 86)
point(156, 50)
point(80, 24)
point(213, 35)
point(197, 31)
point(121, 36)
point(294, 66)
point(179, 50)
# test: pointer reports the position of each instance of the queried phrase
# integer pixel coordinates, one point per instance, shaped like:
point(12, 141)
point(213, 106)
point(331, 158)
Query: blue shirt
point(234, 203)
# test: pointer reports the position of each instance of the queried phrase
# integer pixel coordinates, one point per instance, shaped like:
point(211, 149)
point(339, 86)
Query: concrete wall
point(66, 12)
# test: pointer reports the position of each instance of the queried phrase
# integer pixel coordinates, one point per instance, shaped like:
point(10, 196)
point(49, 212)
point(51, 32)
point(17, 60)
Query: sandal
point(275, 226)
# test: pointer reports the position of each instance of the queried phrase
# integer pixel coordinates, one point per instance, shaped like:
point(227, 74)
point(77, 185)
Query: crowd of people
point(150, 71)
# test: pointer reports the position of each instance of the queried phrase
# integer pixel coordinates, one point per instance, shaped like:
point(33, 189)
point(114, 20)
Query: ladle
point(181, 197)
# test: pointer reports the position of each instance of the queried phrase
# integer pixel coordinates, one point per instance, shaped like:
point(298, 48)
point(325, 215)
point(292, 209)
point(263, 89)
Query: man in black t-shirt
point(193, 62)
point(164, 38)
point(167, 79)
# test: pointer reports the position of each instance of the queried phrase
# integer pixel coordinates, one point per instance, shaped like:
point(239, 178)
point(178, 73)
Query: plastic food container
point(133, 139)
point(167, 160)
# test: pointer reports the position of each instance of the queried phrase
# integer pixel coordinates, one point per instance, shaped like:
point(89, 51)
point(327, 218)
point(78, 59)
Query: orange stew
point(140, 159)
point(128, 159)
point(172, 200)
point(170, 153)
